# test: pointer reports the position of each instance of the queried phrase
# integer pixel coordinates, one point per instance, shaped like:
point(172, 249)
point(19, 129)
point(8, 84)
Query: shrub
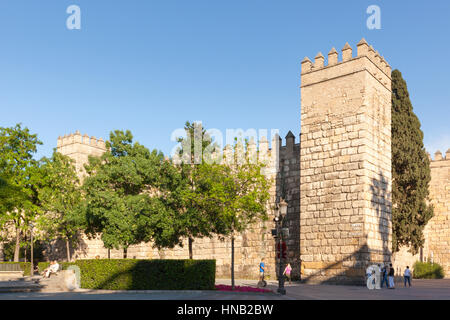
point(132, 274)
point(426, 270)
point(44, 265)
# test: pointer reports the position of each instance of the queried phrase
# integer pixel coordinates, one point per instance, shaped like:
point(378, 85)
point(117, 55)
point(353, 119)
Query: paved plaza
point(421, 290)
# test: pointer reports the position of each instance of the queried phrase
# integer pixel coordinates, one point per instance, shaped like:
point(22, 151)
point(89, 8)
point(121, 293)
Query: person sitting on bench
point(53, 268)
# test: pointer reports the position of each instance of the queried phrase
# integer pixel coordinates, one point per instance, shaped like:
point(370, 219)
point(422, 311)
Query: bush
point(44, 265)
point(132, 274)
point(426, 270)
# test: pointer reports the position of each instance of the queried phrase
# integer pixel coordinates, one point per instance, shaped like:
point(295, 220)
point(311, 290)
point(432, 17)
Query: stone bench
point(10, 271)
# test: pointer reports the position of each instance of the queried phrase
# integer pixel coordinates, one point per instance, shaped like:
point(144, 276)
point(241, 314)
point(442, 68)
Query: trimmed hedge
point(44, 265)
point(133, 274)
point(25, 266)
point(426, 270)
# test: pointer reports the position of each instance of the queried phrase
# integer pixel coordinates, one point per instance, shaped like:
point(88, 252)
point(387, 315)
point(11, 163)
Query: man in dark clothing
point(391, 276)
point(384, 276)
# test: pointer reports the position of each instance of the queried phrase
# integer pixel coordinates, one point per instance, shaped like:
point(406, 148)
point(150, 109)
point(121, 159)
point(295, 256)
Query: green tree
point(197, 219)
point(61, 199)
point(410, 171)
point(124, 201)
point(240, 191)
point(9, 196)
point(18, 168)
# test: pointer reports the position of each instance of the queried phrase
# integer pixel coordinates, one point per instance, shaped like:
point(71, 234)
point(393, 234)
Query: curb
point(20, 289)
point(168, 291)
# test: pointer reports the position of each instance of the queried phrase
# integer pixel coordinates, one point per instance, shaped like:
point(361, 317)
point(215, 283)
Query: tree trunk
point(190, 248)
point(31, 254)
point(124, 253)
point(68, 249)
point(17, 248)
point(232, 262)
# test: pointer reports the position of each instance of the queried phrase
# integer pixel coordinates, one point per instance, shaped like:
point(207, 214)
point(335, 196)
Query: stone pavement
point(145, 295)
point(25, 284)
point(421, 290)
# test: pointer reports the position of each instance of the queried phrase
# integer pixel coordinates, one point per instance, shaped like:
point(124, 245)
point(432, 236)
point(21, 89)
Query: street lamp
point(31, 253)
point(282, 211)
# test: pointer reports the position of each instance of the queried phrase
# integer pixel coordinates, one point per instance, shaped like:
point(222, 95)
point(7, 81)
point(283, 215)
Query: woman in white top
point(407, 276)
point(53, 268)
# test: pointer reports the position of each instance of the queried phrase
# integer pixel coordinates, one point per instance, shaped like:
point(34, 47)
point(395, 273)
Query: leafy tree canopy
point(19, 199)
point(127, 196)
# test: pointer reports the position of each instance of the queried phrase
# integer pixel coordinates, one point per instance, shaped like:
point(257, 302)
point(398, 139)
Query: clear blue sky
point(149, 66)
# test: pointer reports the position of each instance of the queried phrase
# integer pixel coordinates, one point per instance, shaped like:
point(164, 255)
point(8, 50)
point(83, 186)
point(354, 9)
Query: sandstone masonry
point(337, 182)
point(437, 231)
point(345, 164)
point(283, 170)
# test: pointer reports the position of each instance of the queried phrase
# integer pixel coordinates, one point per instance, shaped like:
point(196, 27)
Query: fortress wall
point(283, 169)
point(79, 148)
point(345, 212)
point(337, 182)
point(404, 258)
point(437, 230)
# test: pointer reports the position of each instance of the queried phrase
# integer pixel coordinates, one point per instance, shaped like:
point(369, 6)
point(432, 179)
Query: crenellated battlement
point(76, 137)
point(439, 157)
point(337, 180)
point(259, 152)
point(79, 148)
point(345, 164)
point(256, 152)
point(379, 68)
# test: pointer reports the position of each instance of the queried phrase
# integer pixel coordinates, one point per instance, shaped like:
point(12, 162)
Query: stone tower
point(79, 148)
point(345, 164)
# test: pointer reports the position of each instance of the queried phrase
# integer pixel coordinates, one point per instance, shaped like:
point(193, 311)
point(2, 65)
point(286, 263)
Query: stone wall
point(404, 258)
point(437, 230)
point(345, 162)
point(282, 169)
point(337, 182)
point(79, 148)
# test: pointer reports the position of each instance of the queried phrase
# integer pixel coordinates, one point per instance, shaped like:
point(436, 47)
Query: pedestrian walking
point(262, 267)
point(287, 272)
point(384, 276)
point(407, 276)
point(391, 276)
